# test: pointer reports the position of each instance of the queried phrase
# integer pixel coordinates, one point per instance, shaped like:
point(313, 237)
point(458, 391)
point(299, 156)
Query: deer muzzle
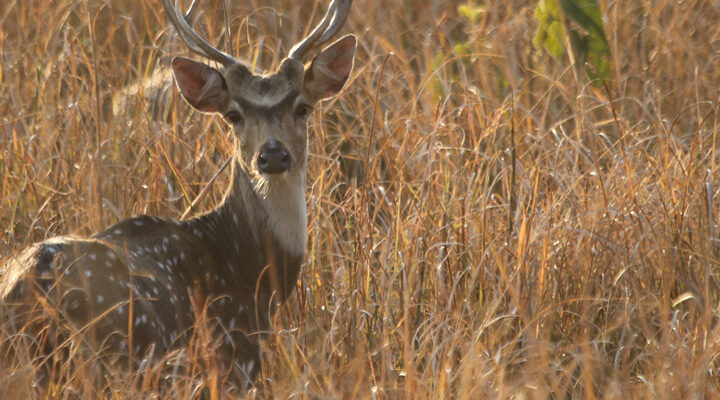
point(273, 158)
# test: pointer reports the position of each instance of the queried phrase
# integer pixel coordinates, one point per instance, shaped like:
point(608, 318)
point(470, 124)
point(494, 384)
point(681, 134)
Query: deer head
point(268, 113)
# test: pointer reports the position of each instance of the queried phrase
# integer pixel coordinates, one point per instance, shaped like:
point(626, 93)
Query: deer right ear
point(200, 85)
point(330, 69)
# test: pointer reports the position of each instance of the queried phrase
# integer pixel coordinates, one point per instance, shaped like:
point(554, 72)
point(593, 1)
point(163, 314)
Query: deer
point(137, 288)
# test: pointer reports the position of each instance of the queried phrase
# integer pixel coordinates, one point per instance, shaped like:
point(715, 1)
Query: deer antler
point(191, 38)
point(331, 23)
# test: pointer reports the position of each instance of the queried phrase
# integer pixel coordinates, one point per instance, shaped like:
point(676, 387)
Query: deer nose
point(273, 158)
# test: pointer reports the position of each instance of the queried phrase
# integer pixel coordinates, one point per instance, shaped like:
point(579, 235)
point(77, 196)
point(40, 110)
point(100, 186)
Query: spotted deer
point(139, 286)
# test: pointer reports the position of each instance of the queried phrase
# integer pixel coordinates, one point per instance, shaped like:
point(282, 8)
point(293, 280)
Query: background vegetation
point(483, 222)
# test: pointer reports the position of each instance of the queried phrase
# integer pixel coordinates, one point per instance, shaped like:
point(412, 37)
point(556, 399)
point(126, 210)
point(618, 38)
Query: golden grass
point(482, 224)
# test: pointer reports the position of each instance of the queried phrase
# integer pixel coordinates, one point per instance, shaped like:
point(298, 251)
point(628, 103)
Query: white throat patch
point(284, 200)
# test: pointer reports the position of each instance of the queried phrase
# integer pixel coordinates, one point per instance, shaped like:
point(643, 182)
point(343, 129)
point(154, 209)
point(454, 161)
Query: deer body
point(230, 259)
point(141, 286)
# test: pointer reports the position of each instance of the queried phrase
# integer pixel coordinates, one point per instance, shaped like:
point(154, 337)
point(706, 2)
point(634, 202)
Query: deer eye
point(302, 110)
point(234, 117)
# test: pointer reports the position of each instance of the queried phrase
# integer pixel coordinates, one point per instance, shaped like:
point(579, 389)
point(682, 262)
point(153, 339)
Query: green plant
point(579, 23)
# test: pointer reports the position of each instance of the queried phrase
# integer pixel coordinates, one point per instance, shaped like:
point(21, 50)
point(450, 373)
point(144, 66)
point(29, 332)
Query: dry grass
point(481, 225)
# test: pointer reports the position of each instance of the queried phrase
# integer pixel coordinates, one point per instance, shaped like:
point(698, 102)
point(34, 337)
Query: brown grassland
point(482, 222)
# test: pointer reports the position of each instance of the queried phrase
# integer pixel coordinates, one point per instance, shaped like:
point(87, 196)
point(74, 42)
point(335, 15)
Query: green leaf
point(549, 35)
point(586, 13)
point(554, 42)
point(470, 12)
point(435, 86)
point(593, 49)
point(463, 50)
point(581, 22)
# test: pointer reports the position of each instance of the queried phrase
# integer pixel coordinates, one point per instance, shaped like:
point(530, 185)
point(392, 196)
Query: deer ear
point(329, 70)
point(202, 86)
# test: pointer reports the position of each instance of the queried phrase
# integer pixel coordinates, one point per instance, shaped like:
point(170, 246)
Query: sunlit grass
point(482, 224)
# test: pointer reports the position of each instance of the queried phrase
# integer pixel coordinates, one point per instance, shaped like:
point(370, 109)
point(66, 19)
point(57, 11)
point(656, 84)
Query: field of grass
point(482, 222)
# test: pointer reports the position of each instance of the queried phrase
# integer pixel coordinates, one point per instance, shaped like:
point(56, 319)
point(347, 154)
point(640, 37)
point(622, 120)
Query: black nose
point(273, 158)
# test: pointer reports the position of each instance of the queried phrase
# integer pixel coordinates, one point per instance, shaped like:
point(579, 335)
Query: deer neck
point(254, 229)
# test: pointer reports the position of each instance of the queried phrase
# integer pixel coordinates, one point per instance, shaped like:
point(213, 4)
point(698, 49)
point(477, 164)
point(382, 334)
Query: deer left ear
point(330, 69)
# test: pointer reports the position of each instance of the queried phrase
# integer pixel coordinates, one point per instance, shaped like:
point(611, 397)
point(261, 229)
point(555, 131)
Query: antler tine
point(341, 14)
point(190, 14)
point(193, 41)
point(333, 20)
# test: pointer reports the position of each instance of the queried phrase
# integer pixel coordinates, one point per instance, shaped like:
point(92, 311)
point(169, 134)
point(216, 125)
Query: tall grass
point(482, 222)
